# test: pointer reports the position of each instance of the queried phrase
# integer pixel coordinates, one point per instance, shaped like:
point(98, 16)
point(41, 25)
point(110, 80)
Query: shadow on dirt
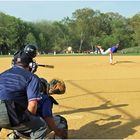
point(121, 62)
point(113, 129)
point(96, 95)
point(125, 62)
point(103, 106)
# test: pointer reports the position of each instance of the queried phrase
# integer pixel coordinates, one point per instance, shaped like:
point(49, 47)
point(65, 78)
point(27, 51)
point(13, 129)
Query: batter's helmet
point(31, 50)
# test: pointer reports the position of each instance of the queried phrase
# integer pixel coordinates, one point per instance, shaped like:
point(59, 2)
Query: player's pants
point(36, 127)
point(60, 123)
point(106, 52)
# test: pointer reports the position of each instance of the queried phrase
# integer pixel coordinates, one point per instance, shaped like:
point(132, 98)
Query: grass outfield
point(101, 100)
point(119, 53)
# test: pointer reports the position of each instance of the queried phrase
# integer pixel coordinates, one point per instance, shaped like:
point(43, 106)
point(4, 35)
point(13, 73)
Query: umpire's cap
point(31, 50)
point(22, 58)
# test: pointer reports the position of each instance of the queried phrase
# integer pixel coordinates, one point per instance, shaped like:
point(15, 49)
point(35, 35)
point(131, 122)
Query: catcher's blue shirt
point(45, 106)
point(19, 85)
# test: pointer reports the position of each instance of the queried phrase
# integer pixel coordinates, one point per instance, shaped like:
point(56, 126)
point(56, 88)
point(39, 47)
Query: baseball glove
point(57, 86)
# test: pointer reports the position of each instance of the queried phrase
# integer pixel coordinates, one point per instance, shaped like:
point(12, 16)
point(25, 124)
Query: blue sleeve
point(47, 108)
point(33, 89)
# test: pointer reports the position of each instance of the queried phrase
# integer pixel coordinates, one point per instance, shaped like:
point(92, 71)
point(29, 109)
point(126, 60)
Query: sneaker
point(12, 136)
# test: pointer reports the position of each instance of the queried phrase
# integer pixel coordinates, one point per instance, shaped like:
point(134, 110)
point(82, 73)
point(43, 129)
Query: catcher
point(57, 123)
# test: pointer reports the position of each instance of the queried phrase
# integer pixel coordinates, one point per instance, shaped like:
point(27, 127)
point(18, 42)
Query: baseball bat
point(46, 66)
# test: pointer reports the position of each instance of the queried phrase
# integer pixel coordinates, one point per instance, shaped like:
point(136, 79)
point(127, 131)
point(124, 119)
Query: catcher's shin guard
point(17, 135)
point(64, 125)
point(12, 136)
point(64, 121)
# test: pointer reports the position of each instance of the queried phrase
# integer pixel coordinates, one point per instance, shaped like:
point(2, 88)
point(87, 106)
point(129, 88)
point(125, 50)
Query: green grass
point(134, 51)
point(6, 56)
point(116, 54)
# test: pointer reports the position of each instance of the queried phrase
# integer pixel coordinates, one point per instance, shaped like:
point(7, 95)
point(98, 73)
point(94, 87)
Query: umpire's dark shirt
point(19, 85)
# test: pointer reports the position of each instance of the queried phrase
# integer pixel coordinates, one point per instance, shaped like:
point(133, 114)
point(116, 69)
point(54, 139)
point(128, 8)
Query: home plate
point(71, 117)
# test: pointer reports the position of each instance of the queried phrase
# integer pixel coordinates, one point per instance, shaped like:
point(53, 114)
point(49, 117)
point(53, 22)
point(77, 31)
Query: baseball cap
point(22, 58)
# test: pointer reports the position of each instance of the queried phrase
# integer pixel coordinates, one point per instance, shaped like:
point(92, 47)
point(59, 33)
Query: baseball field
point(102, 101)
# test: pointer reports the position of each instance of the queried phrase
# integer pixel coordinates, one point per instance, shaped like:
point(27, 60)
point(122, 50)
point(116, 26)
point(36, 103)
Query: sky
point(35, 10)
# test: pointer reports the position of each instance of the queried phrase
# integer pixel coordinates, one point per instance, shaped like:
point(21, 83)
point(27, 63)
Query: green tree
point(135, 25)
point(30, 38)
point(82, 19)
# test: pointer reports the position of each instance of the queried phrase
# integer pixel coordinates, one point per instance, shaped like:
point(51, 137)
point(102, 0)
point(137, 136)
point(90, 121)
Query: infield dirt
point(102, 101)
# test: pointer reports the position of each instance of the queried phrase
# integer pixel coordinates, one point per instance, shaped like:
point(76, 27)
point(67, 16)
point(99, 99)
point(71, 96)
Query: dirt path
point(102, 100)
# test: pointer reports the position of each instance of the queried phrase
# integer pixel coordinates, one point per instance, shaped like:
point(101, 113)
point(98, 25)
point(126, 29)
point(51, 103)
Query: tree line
point(85, 29)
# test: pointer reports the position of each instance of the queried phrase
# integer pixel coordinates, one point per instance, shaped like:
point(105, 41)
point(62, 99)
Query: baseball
point(69, 49)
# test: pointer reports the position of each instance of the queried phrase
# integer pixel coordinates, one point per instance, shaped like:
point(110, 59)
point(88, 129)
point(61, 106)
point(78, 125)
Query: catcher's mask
point(33, 66)
point(44, 86)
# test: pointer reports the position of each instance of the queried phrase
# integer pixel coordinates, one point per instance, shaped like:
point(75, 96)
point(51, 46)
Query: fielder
point(109, 51)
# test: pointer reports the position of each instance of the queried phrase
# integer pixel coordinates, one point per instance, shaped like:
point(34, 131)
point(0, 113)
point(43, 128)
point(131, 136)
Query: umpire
point(19, 96)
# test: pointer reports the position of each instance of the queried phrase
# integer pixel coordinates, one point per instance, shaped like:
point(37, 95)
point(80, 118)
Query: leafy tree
point(135, 26)
point(82, 21)
point(83, 31)
point(30, 38)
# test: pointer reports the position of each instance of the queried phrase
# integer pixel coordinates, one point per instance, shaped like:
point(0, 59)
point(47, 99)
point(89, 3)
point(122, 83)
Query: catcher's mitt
point(57, 86)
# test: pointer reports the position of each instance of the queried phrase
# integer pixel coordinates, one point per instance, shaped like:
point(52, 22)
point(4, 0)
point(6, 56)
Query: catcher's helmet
point(31, 50)
point(44, 85)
